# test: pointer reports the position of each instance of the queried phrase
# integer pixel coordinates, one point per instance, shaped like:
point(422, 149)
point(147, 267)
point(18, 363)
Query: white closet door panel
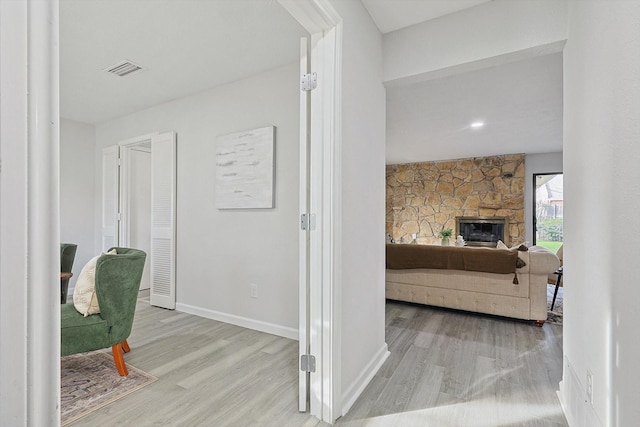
point(163, 201)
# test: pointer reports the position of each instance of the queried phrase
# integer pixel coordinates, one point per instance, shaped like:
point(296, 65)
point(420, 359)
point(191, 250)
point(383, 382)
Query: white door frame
point(29, 214)
point(325, 26)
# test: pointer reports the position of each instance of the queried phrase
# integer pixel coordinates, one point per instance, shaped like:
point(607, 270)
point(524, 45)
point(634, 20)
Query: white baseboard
point(357, 387)
point(245, 322)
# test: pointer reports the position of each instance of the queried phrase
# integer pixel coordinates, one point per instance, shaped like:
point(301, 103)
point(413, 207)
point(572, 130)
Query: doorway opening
point(139, 207)
point(135, 200)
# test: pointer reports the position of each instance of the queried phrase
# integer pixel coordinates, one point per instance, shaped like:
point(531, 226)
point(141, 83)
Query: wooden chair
point(117, 281)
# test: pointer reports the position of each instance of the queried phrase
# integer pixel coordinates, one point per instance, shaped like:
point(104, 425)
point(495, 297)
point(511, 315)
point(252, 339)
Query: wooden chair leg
point(539, 323)
point(125, 346)
point(118, 359)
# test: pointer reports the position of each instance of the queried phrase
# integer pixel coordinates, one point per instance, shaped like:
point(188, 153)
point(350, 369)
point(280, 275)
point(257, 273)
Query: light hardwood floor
point(446, 368)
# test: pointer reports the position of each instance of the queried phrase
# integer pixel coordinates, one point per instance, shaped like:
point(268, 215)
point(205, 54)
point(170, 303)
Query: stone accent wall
point(424, 198)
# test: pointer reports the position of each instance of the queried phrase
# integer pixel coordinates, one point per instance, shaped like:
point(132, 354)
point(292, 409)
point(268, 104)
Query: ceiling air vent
point(124, 68)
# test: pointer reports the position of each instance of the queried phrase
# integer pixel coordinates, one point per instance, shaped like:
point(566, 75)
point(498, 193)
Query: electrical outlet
point(253, 290)
point(589, 387)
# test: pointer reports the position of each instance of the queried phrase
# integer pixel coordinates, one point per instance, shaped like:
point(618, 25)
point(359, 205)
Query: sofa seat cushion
point(502, 305)
point(456, 280)
point(80, 333)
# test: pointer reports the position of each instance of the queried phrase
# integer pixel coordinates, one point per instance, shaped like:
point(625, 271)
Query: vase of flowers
point(446, 234)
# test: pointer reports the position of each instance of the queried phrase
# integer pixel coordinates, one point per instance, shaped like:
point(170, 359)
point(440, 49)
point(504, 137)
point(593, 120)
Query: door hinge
point(308, 222)
point(307, 363)
point(309, 82)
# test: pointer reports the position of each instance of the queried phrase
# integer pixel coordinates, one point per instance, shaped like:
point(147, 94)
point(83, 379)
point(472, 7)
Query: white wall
point(15, 322)
point(490, 30)
point(363, 188)
point(221, 252)
point(536, 163)
point(77, 154)
point(602, 188)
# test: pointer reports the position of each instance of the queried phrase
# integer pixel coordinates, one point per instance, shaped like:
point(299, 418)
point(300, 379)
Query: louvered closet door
point(163, 219)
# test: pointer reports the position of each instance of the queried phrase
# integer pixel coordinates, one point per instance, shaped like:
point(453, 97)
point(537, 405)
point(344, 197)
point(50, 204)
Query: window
point(548, 202)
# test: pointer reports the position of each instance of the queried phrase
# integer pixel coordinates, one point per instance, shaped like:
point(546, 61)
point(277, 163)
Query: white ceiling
point(519, 102)
point(186, 46)
point(391, 15)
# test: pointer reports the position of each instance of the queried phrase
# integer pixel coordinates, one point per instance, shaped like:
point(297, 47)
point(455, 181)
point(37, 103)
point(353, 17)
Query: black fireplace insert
point(482, 230)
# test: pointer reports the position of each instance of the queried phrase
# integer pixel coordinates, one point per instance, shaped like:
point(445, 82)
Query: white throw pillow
point(501, 245)
point(84, 294)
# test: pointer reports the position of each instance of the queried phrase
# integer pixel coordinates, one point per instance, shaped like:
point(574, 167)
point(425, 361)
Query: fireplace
point(482, 230)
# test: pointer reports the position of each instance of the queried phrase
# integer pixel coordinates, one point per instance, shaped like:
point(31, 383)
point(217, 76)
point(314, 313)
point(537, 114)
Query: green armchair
point(67, 255)
point(117, 281)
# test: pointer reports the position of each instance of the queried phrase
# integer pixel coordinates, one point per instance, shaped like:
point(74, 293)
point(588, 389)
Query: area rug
point(554, 316)
point(90, 381)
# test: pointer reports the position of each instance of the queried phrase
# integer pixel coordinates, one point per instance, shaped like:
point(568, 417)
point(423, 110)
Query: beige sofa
point(477, 291)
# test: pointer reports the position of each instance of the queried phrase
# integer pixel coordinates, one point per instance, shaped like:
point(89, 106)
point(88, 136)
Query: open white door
point(303, 245)
point(110, 198)
point(316, 163)
point(163, 220)
point(320, 190)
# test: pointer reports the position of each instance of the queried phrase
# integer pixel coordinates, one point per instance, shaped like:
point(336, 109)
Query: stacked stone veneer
point(424, 198)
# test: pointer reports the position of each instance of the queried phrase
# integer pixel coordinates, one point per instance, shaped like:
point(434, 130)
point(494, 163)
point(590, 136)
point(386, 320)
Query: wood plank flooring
point(446, 368)
point(451, 368)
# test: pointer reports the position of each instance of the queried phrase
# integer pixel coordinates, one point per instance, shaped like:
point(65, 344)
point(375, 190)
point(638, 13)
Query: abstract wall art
point(245, 172)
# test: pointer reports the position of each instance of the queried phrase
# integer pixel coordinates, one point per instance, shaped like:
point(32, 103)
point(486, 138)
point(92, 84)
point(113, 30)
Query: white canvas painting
point(245, 169)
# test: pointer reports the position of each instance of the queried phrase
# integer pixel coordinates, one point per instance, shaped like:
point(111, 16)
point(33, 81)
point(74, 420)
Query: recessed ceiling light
point(476, 125)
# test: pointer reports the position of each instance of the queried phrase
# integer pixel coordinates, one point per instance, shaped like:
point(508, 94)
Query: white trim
point(43, 210)
point(356, 388)
point(333, 127)
point(245, 322)
point(315, 16)
point(317, 283)
point(139, 139)
point(324, 24)
point(29, 214)
point(330, 205)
